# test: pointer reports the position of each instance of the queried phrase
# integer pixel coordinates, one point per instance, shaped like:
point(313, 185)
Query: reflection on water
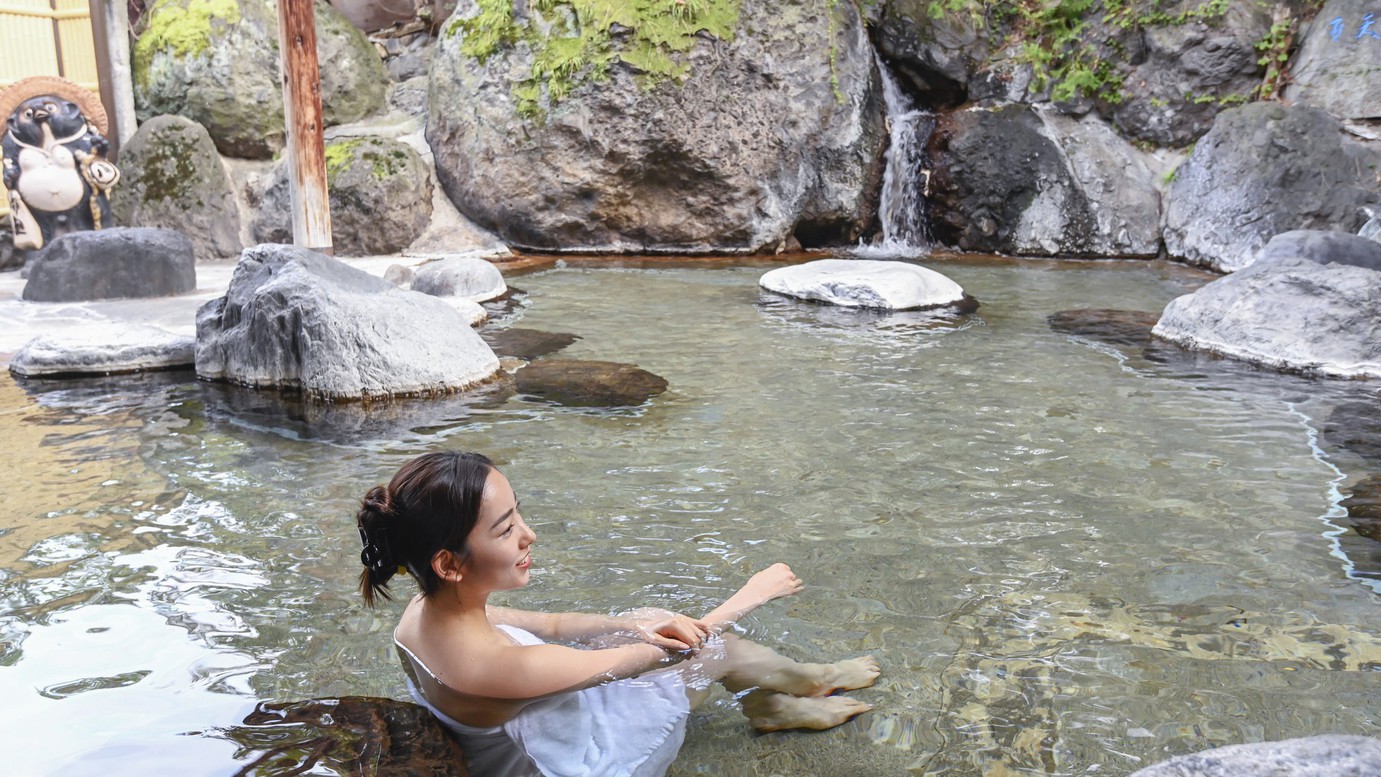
point(1070, 556)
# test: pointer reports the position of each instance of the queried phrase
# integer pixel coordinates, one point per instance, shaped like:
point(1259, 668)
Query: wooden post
point(311, 203)
point(110, 33)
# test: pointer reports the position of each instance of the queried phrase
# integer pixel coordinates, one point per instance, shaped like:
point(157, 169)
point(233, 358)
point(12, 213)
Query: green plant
point(1275, 53)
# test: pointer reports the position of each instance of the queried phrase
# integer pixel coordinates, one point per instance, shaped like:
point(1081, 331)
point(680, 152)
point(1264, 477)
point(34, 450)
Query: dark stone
point(1118, 327)
point(10, 257)
point(1364, 506)
point(350, 735)
point(526, 344)
point(588, 383)
point(1317, 756)
point(1356, 427)
point(115, 263)
point(298, 320)
point(1324, 248)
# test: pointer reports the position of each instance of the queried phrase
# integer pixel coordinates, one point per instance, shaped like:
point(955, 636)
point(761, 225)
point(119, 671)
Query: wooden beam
point(311, 203)
point(110, 33)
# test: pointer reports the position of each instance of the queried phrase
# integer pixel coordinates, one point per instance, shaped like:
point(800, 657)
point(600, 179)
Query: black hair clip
point(376, 555)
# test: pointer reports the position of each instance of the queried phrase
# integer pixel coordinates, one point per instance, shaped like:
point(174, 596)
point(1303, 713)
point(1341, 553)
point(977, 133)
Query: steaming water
point(1069, 558)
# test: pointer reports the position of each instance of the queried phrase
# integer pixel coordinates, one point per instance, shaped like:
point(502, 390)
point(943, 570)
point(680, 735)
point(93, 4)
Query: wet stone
point(1118, 327)
point(589, 383)
point(1364, 506)
point(1318, 756)
point(348, 735)
point(526, 344)
point(1356, 427)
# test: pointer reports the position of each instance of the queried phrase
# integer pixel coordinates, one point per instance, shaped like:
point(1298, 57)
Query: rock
point(217, 63)
point(412, 61)
point(775, 123)
point(342, 735)
point(474, 313)
point(114, 263)
point(400, 276)
point(1364, 506)
point(380, 198)
point(1116, 327)
point(526, 344)
point(1029, 181)
point(104, 352)
point(460, 276)
point(588, 383)
point(10, 257)
point(1318, 756)
point(865, 283)
point(1356, 427)
point(1264, 169)
point(1324, 248)
point(298, 320)
point(936, 58)
point(371, 15)
point(1339, 74)
point(1291, 314)
point(410, 97)
point(172, 178)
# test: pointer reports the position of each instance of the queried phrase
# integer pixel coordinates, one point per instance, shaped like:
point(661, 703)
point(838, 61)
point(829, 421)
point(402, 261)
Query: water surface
point(1071, 558)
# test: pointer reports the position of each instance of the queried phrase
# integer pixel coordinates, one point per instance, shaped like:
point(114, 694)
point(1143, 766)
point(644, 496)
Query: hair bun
point(379, 500)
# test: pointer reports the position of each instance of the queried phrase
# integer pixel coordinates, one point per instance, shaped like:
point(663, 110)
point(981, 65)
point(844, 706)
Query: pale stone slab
point(104, 351)
point(864, 283)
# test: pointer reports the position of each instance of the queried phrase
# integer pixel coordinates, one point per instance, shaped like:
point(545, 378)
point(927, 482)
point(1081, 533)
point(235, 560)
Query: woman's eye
point(507, 531)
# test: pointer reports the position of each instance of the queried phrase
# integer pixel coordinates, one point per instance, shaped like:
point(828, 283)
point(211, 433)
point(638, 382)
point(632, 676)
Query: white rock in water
point(472, 310)
point(460, 276)
point(104, 351)
point(1317, 756)
point(1289, 313)
point(864, 283)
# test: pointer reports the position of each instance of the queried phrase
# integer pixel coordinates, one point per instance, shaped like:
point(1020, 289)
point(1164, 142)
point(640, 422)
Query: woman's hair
point(430, 505)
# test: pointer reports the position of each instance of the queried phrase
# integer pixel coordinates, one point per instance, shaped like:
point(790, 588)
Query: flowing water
point(902, 205)
point(1070, 558)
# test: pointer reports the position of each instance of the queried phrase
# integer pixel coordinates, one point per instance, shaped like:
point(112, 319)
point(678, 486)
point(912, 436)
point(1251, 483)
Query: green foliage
point(573, 40)
point(1275, 54)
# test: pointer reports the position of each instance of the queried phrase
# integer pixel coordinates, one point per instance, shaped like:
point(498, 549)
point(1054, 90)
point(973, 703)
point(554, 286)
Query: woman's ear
point(448, 566)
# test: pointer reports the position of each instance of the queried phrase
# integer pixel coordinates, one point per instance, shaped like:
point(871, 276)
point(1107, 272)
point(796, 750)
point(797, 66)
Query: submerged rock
point(460, 276)
point(1319, 756)
point(173, 178)
point(1117, 327)
point(1290, 313)
point(298, 320)
point(864, 283)
point(1356, 427)
point(104, 352)
point(1264, 169)
point(349, 735)
point(116, 263)
point(1364, 506)
point(526, 344)
point(588, 383)
point(769, 123)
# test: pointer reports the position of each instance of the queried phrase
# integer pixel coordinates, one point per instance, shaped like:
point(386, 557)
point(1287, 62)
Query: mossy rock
point(174, 179)
point(380, 193)
point(217, 62)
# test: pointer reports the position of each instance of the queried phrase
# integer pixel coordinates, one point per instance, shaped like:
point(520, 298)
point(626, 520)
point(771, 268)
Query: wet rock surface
point(778, 127)
point(1356, 428)
point(172, 178)
point(579, 383)
point(1116, 327)
point(1264, 169)
point(1364, 506)
point(1320, 756)
point(861, 283)
point(350, 735)
point(1290, 314)
point(526, 344)
point(298, 320)
point(116, 263)
point(104, 352)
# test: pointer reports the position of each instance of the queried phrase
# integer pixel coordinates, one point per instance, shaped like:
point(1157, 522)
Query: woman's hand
point(670, 631)
point(774, 582)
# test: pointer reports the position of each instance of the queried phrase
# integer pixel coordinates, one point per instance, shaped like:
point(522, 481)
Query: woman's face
point(500, 544)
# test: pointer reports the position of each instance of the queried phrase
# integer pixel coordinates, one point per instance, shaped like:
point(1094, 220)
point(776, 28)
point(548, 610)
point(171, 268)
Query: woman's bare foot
point(846, 675)
point(768, 711)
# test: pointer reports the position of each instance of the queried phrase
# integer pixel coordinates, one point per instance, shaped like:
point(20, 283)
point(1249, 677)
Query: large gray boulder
point(380, 198)
point(937, 58)
point(864, 283)
point(1264, 169)
point(1030, 181)
point(1338, 61)
point(298, 320)
point(460, 276)
point(173, 178)
point(217, 63)
point(775, 127)
point(104, 351)
point(1324, 248)
point(1288, 313)
point(1319, 756)
point(116, 263)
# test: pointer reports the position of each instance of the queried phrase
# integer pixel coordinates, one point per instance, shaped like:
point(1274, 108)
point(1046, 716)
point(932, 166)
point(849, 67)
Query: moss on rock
point(181, 31)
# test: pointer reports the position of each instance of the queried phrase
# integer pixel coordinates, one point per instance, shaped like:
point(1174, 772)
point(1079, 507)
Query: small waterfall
point(902, 210)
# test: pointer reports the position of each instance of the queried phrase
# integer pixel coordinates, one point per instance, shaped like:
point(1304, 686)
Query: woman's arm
point(537, 671)
point(658, 627)
point(772, 583)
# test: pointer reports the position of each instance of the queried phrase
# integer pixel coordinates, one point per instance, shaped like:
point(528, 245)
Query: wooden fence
point(47, 38)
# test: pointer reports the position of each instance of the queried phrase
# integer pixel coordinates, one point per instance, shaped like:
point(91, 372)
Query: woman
point(520, 706)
